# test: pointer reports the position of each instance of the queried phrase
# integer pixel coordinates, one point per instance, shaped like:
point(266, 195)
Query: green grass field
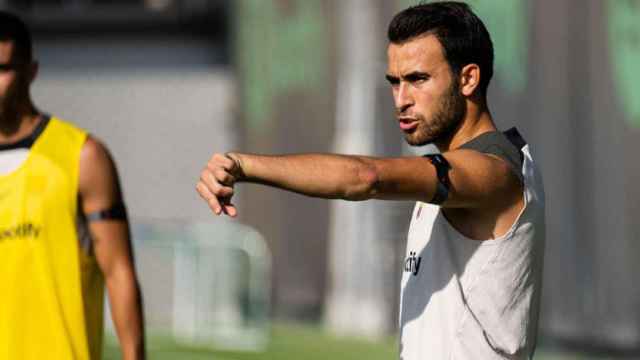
point(288, 342)
point(298, 342)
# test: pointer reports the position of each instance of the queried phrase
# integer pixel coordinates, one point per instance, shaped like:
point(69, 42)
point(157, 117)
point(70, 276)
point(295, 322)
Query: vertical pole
point(356, 301)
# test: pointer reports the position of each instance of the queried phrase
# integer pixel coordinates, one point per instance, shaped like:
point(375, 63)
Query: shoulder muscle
point(98, 180)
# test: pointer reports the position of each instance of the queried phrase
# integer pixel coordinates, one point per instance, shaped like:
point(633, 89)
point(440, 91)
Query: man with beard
point(63, 227)
point(472, 274)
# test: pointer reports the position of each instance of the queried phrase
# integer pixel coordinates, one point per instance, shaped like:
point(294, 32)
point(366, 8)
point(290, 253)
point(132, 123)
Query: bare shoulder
point(97, 169)
point(94, 150)
point(95, 158)
point(480, 165)
point(482, 180)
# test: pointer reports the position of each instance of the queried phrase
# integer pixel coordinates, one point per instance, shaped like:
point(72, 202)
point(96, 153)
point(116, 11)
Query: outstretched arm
point(100, 190)
point(476, 179)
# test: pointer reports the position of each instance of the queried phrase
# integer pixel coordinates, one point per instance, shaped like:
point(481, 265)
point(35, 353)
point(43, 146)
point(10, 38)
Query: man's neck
point(477, 121)
point(25, 125)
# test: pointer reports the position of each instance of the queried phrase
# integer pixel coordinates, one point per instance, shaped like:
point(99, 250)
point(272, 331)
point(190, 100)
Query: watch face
point(624, 52)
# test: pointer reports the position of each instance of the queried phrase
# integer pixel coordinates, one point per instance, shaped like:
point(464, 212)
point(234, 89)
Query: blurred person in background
point(63, 227)
point(473, 268)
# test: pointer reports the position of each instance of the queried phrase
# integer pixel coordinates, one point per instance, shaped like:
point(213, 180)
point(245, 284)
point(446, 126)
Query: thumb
point(236, 170)
point(230, 210)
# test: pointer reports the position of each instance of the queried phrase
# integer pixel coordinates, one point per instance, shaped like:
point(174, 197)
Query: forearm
point(126, 313)
point(319, 175)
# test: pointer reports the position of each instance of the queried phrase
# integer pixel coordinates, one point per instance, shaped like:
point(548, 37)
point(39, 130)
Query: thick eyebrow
point(416, 75)
point(411, 77)
point(392, 79)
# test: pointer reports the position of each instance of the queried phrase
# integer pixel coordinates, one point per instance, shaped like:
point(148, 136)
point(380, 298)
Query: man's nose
point(403, 98)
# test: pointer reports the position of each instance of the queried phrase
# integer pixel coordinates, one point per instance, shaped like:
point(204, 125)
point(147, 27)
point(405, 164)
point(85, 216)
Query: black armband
point(442, 171)
point(116, 212)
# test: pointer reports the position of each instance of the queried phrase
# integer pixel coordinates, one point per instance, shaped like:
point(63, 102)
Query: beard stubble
point(444, 122)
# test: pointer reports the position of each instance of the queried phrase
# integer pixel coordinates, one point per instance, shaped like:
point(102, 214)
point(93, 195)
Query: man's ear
point(469, 79)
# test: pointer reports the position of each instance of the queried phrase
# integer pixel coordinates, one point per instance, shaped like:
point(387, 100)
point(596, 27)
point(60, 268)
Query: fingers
point(230, 210)
point(223, 161)
point(207, 196)
point(221, 175)
point(216, 185)
point(219, 205)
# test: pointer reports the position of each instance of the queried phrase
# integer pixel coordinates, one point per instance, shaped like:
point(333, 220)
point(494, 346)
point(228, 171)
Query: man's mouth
point(407, 124)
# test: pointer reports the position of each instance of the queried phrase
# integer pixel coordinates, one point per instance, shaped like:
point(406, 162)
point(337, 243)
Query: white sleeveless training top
point(468, 299)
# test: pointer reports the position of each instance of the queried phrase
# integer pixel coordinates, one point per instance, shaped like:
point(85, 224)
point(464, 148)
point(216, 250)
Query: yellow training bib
point(50, 291)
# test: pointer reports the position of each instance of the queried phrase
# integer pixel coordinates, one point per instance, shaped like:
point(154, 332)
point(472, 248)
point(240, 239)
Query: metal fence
point(203, 284)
